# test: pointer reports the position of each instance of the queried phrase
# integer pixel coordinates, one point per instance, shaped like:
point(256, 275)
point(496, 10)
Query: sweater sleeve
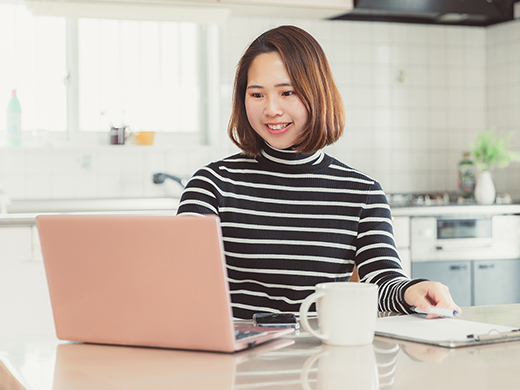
point(377, 259)
point(200, 195)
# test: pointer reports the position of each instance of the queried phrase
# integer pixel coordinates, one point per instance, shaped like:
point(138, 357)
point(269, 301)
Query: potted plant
point(490, 151)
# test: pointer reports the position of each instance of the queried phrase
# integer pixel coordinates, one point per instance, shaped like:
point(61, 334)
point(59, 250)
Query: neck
point(291, 158)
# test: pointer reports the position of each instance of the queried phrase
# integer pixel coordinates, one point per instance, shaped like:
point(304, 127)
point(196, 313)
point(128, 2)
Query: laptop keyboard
point(244, 334)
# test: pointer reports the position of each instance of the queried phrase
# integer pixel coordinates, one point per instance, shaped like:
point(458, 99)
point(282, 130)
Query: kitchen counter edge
point(455, 210)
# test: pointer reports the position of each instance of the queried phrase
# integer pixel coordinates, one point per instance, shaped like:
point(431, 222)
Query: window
point(144, 74)
point(34, 63)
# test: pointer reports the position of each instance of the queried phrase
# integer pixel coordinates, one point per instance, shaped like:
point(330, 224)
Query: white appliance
point(478, 258)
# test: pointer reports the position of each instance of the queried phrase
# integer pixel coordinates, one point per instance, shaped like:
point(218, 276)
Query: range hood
point(448, 12)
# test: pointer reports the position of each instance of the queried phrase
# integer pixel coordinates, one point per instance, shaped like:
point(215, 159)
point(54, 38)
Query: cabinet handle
point(486, 266)
point(461, 267)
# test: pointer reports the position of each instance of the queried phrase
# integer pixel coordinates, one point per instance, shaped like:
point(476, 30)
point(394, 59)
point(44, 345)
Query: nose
point(273, 107)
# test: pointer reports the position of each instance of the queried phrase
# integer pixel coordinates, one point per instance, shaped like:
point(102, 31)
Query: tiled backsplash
point(97, 172)
point(415, 98)
point(503, 94)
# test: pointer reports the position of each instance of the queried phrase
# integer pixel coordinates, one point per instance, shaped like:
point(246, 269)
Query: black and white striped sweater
point(290, 221)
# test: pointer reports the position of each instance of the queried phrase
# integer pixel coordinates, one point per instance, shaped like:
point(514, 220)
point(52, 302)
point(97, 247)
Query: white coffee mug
point(347, 313)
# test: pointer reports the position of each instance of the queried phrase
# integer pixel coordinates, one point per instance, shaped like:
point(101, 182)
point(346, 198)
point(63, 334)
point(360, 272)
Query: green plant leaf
point(491, 150)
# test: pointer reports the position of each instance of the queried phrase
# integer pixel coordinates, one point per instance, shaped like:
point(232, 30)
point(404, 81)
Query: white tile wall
point(415, 98)
point(411, 94)
point(503, 94)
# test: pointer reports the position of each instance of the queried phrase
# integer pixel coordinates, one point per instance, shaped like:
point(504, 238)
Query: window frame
point(209, 85)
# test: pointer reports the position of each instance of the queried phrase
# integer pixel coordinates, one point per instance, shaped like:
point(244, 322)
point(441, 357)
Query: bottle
point(466, 178)
point(14, 121)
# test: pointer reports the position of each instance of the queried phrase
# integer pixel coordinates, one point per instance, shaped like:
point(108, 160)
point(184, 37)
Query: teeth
point(278, 127)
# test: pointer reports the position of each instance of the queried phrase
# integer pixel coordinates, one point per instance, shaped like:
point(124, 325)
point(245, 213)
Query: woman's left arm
point(378, 262)
point(377, 259)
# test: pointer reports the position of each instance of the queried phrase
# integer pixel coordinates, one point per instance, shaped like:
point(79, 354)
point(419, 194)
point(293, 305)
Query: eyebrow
point(276, 86)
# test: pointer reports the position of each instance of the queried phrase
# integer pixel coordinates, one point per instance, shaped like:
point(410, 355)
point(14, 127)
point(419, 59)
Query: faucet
point(159, 178)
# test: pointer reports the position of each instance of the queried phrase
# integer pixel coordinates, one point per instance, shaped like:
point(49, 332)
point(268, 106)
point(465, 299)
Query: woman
point(291, 215)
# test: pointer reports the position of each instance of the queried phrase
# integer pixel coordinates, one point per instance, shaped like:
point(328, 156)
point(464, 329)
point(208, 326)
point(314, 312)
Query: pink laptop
point(157, 281)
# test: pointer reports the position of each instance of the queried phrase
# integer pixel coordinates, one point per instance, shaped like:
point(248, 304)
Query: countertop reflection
point(295, 362)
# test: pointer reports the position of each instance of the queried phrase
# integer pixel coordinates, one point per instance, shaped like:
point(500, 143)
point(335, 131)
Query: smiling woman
point(302, 76)
point(273, 108)
point(291, 215)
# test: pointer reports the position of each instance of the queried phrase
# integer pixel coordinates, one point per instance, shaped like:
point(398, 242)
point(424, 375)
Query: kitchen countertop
point(24, 212)
point(296, 362)
point(455, 209)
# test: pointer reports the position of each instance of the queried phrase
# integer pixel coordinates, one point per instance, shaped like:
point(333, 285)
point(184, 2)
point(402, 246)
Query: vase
point(485, 188)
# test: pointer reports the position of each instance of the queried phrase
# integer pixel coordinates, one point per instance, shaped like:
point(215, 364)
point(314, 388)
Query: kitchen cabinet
point(345, 5)
point(496, 282)
point(477, 282)
point(401, 226)
point(308, 9)
point(15, 243)
point(202, 11)
point(476, 255)
point(25, 303)
point(454, 274)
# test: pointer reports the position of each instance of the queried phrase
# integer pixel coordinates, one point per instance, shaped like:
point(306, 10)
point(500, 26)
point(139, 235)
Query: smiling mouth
point(277, 128)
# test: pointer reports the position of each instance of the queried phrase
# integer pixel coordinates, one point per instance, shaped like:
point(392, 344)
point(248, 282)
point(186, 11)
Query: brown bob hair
point(312, 80)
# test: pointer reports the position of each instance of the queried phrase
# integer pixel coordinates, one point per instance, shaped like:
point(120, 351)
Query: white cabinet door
point(25, 303)
point(401, 231)
point(15, 243)
point(401, 227)
point(404, 255)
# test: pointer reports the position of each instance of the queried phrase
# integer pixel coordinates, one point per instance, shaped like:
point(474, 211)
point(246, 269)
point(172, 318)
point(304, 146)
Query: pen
point(443, 312)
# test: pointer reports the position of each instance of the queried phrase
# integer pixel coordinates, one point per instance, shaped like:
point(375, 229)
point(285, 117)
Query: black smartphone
point(281, 320)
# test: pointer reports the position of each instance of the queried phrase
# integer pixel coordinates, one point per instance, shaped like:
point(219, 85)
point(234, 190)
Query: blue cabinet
point(475, 282)
point(454, 274)
point(496, 282)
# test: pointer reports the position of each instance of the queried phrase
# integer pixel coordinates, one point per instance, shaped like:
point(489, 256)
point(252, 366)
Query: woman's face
point(273, 109)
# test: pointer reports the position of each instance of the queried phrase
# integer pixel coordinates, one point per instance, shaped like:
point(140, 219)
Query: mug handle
point(304, 309)
point(304, 376)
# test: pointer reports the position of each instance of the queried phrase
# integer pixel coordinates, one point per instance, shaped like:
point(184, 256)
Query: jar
point(466, 178)
point(117, 135)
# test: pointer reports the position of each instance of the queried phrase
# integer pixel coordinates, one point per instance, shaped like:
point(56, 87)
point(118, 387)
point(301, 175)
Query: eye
point(288, 93)
point(256, 95)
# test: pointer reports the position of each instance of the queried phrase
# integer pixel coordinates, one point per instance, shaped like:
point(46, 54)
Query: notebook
point(155, 281)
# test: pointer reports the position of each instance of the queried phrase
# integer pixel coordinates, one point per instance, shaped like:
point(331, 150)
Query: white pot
point(485, 189)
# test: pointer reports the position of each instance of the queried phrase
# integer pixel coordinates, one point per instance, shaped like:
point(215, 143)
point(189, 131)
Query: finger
point(423, 304)
point(443, 300)
point(439, 295)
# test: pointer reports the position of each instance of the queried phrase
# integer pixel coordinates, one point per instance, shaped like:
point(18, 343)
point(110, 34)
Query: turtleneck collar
point(288, 159)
